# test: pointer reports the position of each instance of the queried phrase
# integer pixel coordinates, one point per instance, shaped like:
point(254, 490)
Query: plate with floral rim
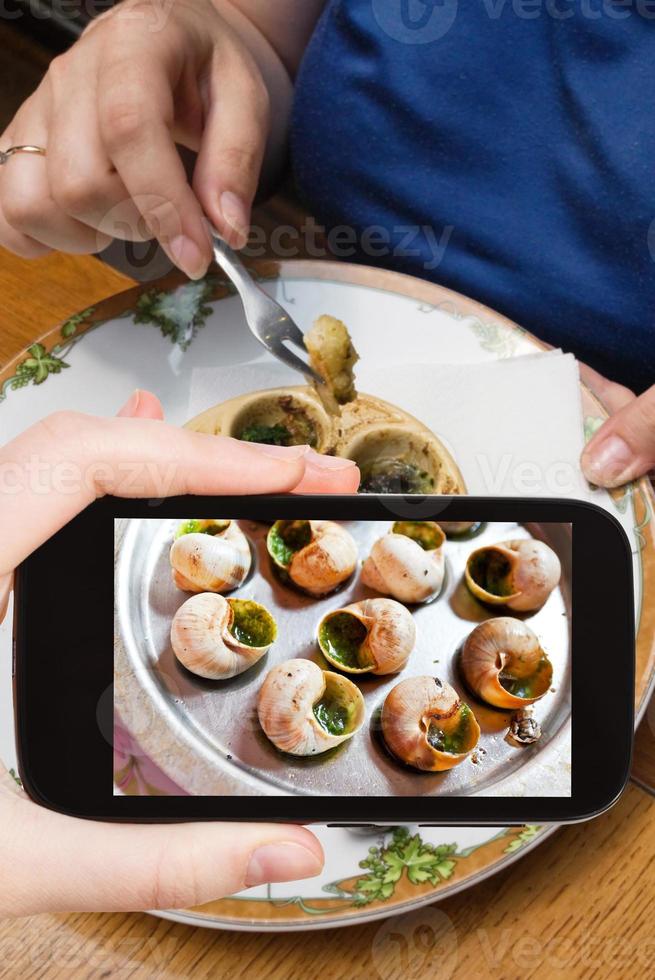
point(153, 336)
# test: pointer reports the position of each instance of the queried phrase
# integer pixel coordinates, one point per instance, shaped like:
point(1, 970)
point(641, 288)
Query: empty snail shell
point(305, 710)
point(518, 574)
point(503, 663)
point(210, 556)
point(317, 556)
point(408, 563)
point(427, 726)
point(373, 636)
point(401, 457)
point(218, 638)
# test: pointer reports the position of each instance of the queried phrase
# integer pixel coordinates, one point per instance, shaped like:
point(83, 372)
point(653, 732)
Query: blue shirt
point(522, 148)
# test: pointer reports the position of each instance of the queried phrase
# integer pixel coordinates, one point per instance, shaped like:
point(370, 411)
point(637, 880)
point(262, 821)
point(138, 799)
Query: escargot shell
point(279, 416)
point(456, 528)
point(210, 556)
point(217, 638)
point(425, 725)
point(305, 710)
point(408, 563)
point(518, 574)
point(317, 556)
point(373, 636)
point(503, 663)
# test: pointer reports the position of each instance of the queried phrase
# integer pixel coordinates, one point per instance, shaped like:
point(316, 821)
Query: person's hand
point(51, 472)
point(144, 76)
point(623, 448)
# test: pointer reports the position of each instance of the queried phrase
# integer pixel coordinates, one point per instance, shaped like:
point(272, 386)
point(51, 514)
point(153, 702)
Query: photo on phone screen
point(355, 658)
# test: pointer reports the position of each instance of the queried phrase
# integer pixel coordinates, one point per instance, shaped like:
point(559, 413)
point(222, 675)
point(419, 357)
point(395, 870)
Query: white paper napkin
point(515, 426)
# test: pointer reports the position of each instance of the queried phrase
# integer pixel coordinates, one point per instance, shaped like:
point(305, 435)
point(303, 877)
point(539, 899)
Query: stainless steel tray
point(219, 719)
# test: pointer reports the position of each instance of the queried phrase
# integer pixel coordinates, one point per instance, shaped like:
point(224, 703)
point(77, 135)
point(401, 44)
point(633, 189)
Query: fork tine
point(294, 362)
point(267, 320)
point(295, 334)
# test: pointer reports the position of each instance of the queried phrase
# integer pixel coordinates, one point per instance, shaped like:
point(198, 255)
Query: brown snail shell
point(217, 638)
point(518, 574)
point(296, 409)
point(213, 560)
point(502, 654)
point(423, 720)
point(381, 635)
point(290, 706)
point(407, 563)
point(325, 560)
point(456, 528)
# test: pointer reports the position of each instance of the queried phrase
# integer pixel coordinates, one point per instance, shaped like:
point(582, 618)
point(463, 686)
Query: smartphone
point(340, 659)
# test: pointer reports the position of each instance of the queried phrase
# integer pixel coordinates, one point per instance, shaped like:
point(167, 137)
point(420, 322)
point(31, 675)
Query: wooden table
point(581, 905)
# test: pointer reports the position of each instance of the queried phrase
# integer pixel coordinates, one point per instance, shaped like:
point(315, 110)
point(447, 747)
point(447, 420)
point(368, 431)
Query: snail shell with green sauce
point(305, 710)
point(427, 726)
point(408, 563)
point(503, 663)
point(316, 556)
point(217, 638)
point(374, 636)
point(292, 416)
point(517, 574)
point(456, 528)
point(210, 556)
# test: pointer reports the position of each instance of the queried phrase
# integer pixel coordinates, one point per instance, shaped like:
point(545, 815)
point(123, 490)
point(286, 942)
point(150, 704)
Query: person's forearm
point(276, 35)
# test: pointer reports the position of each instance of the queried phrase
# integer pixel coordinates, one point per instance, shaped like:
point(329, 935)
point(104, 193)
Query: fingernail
point(609, 464)
point(286, 861)
point(281, 452)
point(130, 406)
point(236, 215)
point(329, 462)
point(185, 253)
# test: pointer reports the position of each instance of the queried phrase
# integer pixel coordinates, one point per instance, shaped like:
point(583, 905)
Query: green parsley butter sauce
point(251, 623)
point(195, 526)
point(454, 740)
point(332, 715)
point(269, 435)
point(286, 538)
point(424, 533)
point(342, 636)
point(532, 686)
point(491, 571)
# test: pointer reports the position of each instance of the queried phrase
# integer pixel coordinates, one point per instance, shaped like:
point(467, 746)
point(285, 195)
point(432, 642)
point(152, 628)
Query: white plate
point(143, 338)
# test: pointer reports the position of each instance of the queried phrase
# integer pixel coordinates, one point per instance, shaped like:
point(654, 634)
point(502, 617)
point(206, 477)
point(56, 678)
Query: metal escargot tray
point(219, 718)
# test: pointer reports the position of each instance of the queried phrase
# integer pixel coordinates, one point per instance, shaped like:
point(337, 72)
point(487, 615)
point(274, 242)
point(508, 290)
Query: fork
point(269, 323)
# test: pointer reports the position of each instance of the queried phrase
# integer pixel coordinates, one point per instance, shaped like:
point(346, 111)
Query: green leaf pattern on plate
point(179, 314)
point(405, 853)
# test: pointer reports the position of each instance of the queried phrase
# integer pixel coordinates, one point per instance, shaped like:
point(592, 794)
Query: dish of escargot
point(395, 452)
point(355, 657)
